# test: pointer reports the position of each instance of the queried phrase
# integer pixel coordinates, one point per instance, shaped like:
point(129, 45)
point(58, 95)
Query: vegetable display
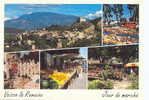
point(60, 77)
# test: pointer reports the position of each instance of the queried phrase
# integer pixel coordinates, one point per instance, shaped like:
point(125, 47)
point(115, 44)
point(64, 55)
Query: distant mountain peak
point(39, 20)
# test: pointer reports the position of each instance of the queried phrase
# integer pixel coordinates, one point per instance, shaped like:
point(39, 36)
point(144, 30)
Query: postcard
point(68, 50)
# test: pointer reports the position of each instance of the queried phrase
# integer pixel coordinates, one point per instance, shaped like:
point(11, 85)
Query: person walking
point(84, 66)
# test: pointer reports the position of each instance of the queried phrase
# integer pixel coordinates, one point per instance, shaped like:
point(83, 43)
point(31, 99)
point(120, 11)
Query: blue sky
point(83, 52)
point(126, 12)
point(91, 11)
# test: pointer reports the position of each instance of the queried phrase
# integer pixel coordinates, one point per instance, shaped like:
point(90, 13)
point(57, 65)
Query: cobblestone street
point(80, 82)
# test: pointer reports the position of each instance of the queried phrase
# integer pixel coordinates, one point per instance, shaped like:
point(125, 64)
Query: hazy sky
point(91, 11)
point(83, 52)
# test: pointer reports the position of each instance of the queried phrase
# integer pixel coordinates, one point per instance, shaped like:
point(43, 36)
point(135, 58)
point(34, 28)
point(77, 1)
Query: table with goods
point(99, 77)
point(52, 79)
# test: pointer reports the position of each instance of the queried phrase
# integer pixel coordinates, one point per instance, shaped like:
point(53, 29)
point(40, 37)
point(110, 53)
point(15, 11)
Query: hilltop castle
point(79, 20)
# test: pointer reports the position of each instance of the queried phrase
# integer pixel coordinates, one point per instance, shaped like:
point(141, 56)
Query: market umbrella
point(134, 64)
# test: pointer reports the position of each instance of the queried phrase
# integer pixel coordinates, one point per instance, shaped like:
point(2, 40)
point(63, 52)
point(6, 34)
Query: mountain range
point(39, 20)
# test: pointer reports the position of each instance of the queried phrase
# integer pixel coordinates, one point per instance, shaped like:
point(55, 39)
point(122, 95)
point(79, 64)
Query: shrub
point(135, 85)
point(93, 84)
point(97, 84)
point(109, 85)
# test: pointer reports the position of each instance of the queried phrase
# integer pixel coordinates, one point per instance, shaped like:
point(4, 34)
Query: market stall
point(132, 67)
point(21, 70)
point(58, 70)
